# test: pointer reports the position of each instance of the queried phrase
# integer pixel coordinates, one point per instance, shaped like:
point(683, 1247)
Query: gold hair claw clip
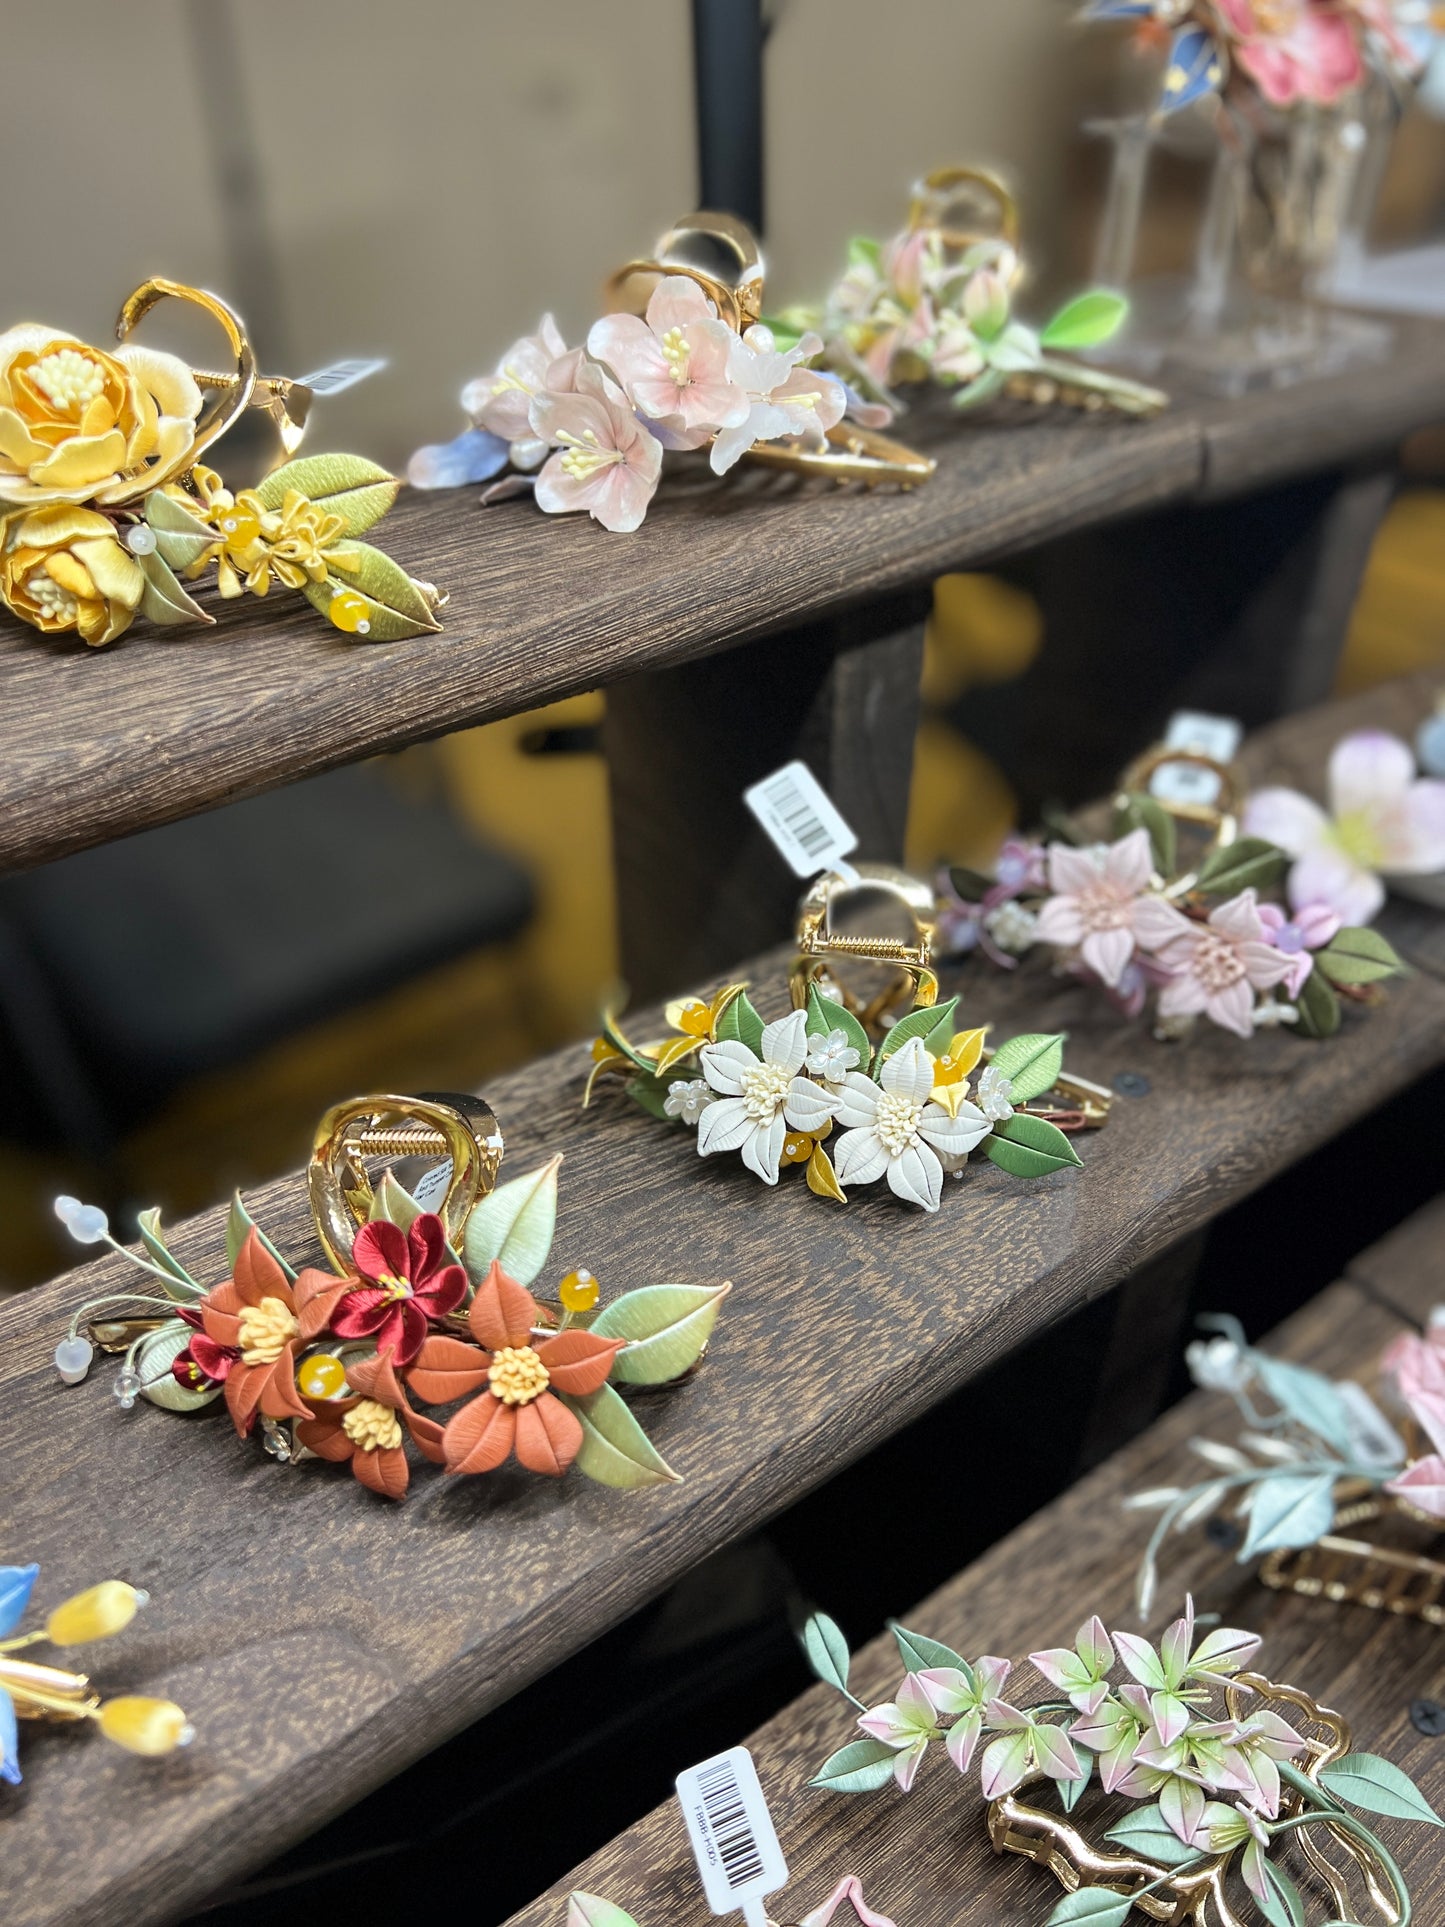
point(108, 511)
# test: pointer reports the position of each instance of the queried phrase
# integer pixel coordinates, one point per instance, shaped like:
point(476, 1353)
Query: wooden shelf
point(321, 1640)
point(167, 723)
point(924, 1857)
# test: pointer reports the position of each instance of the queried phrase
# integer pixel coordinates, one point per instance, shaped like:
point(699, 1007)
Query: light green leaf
point(1281, 1904)
point(1031, 1063)
point(1072, 1791)
point(665, 1326)
point(1309, 1398)
point(238, 1222)
point(394, 1203)
point(1318, 1006)
point(827, 1650)
point(982, 388)
point(1137, 811)
point(1097, 1906)
point(615, 1450)
point(1356, 956)
point(1029, 1147)
point(181, 536)
point(1087, 320)
point(163, 599)
point(1247, 863)
point(153, 1359)
point(933, 1023)
point(1292, 1510)
point(397, 606)
point(1366, 1781)
point(861, 1767)
point(741, 1024)
point(345, 485)
point(149, 1225)
point(825, 1015)
point(920, 1652)
point(1014, 351)
point(864, 252)
point(513, 1227)
point(1145, 1831)
point(591, 1910)
point(651, 1093)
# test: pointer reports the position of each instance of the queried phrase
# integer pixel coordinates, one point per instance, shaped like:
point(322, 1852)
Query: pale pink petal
point(1072, 872)
point(1265, 966)
point(1181, 997)
point(1317, 924)
point(1130, 862)
point(1413, 835)
point(1328, 876)
point(1157, 923)
point(1106, 952)
point(1368, 767)
point(1238, 919)
point(848, 1889)
point(1286, 818)
point(1428, 1409)
point(675, 302)
point(1059, 921)
point(1423, 1486)
point(1229, 1008)
point(625, 344)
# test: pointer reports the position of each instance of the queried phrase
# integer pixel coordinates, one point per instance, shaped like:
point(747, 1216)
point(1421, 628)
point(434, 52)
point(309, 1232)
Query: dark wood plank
point(321, 1639)
point(924, 1858)
point(168, 723)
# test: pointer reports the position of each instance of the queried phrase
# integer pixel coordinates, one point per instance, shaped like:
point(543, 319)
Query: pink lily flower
point(907, 1724)
point(673, 366)
point(1311, 927)
point(1294, 49)
point(1417, 1366)
point(606, 461)
point(849, 1888)
point(1383, 820)
point(784, 398)
point(1217, 966)
point(1099, 904)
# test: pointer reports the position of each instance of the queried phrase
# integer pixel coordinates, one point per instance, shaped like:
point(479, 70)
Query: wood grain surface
point(924, 1857)
point(320, 1639)
point(168, 722)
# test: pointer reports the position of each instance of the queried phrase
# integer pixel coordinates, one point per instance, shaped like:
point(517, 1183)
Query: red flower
point(410, 1285)
point(262, 1318)
point(367, 1428)
point(517, 1410)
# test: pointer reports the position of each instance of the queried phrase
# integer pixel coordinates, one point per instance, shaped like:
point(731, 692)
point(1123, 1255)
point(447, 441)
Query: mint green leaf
point(825, 1015)
point(1146, 1832)
point(1072, 1791)
point(1137, 811)
point(1031, 1063)
point(238, 1222)
point(651, 1093)
point(181, 536)
point(1378, 1786)
point(920, 1652)
point(1013, 351)
point(665, 1326)
point(1247, 863)
point(741, 1024)
point(864, 252)
point(591, 1910)
point(149, 1225)
point(1087, 320)
point(1319, 1007)
point(1356, 956)
point(1281, 1904)
point(1029, 1147)
point(861, 1767)
point(1096, 1906)
point(933, 1023)
point(1292, 1510)
point(153, 1359)
point(394, 1203)
point(345, 485)
point(1310, 1398)
point(513, 1227)
point(615, 1450)
point(827, 1650)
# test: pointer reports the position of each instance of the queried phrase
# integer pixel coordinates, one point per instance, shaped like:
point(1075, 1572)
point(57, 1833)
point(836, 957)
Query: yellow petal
point(66, 569)
point(81, 461)
point(58, 526)
point(117, 576)
point(95, 1613)
point(165, 376)
point(26, 337)
point(146, 1726)
point(965, 1050)
point(102, 622)
point(144, 415)
point(99, 418)
point(17, 444)
point(822, 1178)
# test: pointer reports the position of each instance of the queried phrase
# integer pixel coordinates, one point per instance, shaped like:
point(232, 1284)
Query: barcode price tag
point(340, 376)
point(732, 1834)
point(800, 817)
point(1217, 737)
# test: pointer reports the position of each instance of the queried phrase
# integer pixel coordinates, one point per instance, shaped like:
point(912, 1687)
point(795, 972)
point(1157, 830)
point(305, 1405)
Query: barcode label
point(1217, 737)
point(800, 817)
point(340, 375)
point(732, 1834)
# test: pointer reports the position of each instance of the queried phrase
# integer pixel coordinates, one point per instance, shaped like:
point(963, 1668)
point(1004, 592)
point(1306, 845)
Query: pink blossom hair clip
point(682, 361)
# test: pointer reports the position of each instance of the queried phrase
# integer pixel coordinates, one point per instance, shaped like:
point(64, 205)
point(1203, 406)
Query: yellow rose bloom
point(62, 568)
point(77, 425)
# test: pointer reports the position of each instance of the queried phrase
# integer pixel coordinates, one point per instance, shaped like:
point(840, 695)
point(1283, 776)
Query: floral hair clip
point(1320, 1479)
point(591, 1910)
point(60, 1697)
point(586, 428)
point(775, 1091)
point(1208, 938)
point(1205, 1772)
point(935, 304)
point(106, 509)
point(431, 1304)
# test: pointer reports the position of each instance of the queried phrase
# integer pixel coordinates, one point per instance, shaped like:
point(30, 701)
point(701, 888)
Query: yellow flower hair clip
point(106, 510)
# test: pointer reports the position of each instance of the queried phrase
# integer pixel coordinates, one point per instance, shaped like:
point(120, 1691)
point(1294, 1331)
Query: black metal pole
point(727, 52)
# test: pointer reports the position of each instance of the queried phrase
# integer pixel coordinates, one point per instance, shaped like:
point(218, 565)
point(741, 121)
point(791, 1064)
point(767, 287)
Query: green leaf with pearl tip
point(1032, 1063)
point(153, 1359)
point(183, 1286)
point(181, 536)
point(827, 1650)
point(1136, 811)
point(1087, 320)
point(1249, 863)
point(1029, 1147)
point(1318, 1006)
point(346, 485)
point(741, 1024)
point(1356, 956)
point(238, 1222)
point(665, 1328)
point(513, 1226)
point(863, 1766)
point(615, 1450)
point(933, 1023)
point(825, 1014)
point(163, 600)
point(397, 607)
point(591, 1910)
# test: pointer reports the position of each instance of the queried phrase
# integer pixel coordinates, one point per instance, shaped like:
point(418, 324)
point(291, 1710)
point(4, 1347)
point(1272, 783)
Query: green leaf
point(825, 1015)
point(651, 1093)
point(394, 1203)
point(513, 1226)
point(1072, 1791)
point(1292, 1510)
point(827, 1650)
point(1029, 1147)
point(741, 1024)
point(933, 1023)
point(1356, 956)
point(982, 388)
point(1281, 1904)
point(345, 485)
point(1015, 350)
point(1145, 1831)
point(971, 885)
point(1031, 1063)
point(665, 1326)
point(238, 1222)
point(149, 1225)
point(1137, 811)
point(1310, 1398)
point(163, 599)
point(591, 1910)
point(153, 1357)
point(1098, 1906)
point(397, 606)
point(1319, 1008)
point(864, 252)
point(1087, 320)
point(615, 1450)
point(181, 536)
point(920, 1652)
point(861, 1767)
point(1366, 1781)
point(1247, 863)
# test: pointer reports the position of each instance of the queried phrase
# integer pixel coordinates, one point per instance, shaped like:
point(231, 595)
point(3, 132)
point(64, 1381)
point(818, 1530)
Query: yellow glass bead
point(146, 1726)
point(695, 1018)
point(95, 1613)
point(321, 1376)
point(797, 1150)
point(351, 612)
point(578, 1291)
point(239, 529)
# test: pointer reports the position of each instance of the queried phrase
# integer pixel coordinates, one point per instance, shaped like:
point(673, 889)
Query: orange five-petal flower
point(366, 1428)
point(518, 1409)
point(263, 1315)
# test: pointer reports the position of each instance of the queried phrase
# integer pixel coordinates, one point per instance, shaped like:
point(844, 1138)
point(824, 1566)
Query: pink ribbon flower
point(1295, 49)
point(605, 461)
point(673, 366)
point(1217, 966)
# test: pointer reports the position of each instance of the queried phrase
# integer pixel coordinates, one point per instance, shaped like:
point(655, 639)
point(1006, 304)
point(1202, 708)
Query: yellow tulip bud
point(147, 1726)
point(95, 1613)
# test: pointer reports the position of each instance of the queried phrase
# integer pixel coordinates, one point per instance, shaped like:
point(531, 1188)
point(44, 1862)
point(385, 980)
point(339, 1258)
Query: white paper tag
point(800, 817)
point(732, 1834)
point(340, 375)
point(431, 1187)
point(1218, 737)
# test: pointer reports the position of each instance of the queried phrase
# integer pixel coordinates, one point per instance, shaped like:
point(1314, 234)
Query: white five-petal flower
point(895, 1130)
point(760, 1098)
point(831, 1057)
point(687, 1098)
